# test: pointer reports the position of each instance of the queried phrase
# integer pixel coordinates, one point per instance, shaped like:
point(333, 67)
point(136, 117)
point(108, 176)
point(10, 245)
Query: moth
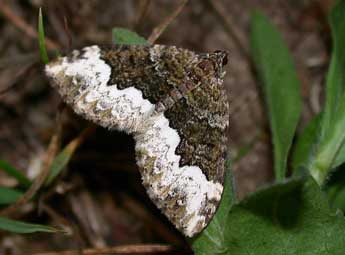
point(173, 102)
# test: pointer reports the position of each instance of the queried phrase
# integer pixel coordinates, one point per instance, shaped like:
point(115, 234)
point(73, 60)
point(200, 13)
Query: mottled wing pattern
point(172, 100)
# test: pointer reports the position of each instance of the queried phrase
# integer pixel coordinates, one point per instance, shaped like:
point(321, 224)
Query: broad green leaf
point(11, 171)
point(285, 219)
point(280, 85)
point(9, 195)
point(211, 240)
point(41, 38)
point(125, 36)
point(305, 142)
point(23, 227)
point(332, 137)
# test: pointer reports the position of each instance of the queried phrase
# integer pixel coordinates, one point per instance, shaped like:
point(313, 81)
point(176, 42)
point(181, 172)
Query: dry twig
point(143, 8)
point(161, 27)
point(142, 213)
point(237, 35)
point(18, 60)
point(68, 227)
point(20, 23)
point(68, 32)
point(89, 217)
point(22, 74)
point(124, 249)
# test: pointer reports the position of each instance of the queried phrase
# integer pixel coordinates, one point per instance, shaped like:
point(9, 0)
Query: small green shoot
point(41, 38)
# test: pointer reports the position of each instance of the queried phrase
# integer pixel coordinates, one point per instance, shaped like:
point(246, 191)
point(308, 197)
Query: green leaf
point(287, 218)
point(23, 227)
point(280, 85)
point(211, 240)
point(11, 171)
point(62, 159)
point(335, 189)
point(335, 83)
point(340, 157)
point(336, 196)
point(332, 135)
point(305, 142)
point(41, 38)
point(9, 196)
point(125, 36)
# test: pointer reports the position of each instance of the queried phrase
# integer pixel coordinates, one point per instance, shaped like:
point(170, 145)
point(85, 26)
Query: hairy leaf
point(287, 218)
point(280, 85)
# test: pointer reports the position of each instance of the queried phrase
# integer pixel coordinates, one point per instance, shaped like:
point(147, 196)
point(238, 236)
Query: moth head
point(213, 64)
point(220, 60)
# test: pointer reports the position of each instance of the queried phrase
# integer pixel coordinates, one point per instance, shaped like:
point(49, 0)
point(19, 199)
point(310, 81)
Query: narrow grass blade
point(9, 195)
point(61, 160)
point(23, 227)
point(41, 38)
point(64, 157)
point(280, 85)
point(11, 171)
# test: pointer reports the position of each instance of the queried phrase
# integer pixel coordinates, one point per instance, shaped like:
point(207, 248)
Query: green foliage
point(281, 87)
point(9, 195)
point(332, 136)
point(294, 216)
point(335, 189)
point(23, 227)
point(336, 77)
point(304, 145)
point(125, 36)
point(41, 39)
point(287, 218)
point(211, 240)
point(11, 171)
point(336, 196)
